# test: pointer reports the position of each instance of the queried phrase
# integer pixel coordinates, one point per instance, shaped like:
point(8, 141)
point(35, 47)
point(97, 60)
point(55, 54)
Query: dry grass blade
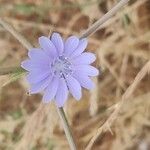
point(125, 96)
point(16, 34)
point(102, 20)
point(20, 38)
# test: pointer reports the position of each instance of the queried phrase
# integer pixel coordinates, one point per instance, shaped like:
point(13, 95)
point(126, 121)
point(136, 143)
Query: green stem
point(67, 129)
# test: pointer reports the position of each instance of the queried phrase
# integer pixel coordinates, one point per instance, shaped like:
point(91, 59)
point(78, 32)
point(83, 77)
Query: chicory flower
point(59, 67)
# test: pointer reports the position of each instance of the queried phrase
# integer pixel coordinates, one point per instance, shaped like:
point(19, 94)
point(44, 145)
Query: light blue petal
point(37, 76)
point(71, 44)
point(87, 69)
point(27, 65)
point(48, 46)
point(58, 42)
point(51, 90)
point(31, 65)
point(37, 54)
point(35, 88)
point(84, 80)
point(81, 47)
point(62, 93)
point(74, 87)
point(84, 58)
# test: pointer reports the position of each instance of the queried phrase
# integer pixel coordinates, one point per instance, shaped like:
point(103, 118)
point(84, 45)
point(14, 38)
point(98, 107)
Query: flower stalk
point(67, 128)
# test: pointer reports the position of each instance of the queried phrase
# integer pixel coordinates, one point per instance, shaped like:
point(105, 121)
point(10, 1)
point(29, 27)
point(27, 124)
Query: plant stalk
point(67, 128)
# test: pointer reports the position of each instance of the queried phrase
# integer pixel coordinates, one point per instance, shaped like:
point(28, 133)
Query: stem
point(102, 20)
point(67, 129)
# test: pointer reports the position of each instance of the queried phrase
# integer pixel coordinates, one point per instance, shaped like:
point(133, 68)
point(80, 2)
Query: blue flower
point(59, 67)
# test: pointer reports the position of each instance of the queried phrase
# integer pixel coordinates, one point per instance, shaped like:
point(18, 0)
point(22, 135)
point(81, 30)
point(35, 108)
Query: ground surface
point(122, 47)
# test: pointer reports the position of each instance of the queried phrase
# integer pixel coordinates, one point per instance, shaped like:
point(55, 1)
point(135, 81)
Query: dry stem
point(102, 20)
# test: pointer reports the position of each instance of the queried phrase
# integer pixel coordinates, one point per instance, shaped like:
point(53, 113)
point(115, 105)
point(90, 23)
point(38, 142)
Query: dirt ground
point(122, 47)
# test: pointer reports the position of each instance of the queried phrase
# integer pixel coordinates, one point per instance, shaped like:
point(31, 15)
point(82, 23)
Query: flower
point(59, 67)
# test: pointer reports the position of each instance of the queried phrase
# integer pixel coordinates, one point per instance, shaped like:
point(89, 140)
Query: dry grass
point(119, 103)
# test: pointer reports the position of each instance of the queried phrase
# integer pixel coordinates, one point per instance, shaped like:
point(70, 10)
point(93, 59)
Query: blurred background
point(122, 47)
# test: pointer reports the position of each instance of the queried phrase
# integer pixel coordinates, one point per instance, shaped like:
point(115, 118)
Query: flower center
point(62, 66)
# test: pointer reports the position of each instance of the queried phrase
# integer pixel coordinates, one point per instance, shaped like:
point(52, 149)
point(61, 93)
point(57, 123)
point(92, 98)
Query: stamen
point(62, 66)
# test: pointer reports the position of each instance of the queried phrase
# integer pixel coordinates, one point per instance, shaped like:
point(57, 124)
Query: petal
point(71, 44)
point(58, 42)
point(62, 93)
point(74, 87)
point(84, 80)
point(87, 69)
point(51, 90)
point(31, 65)
point(37, 76)
point(38, 54)
point(27, 65)
point(81, 47)
point(37, 87)
point(48, 46)
point(84, 58)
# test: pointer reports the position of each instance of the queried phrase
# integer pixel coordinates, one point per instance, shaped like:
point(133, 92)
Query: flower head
point(59, 67)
